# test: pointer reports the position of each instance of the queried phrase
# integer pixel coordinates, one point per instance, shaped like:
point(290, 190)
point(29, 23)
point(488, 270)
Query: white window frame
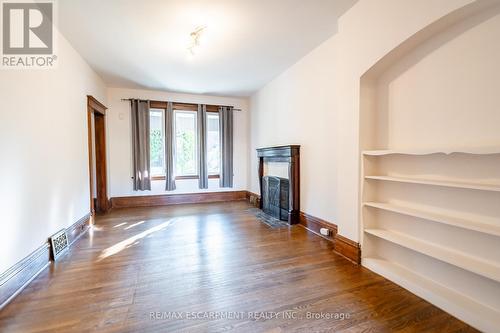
point(218, 118)
point(162, 174)
point(195, 113)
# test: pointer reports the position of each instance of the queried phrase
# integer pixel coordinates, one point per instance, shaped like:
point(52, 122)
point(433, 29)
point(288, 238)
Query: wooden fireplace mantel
point(291, 155)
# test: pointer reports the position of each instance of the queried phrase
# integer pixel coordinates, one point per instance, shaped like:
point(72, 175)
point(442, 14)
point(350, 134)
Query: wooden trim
point(91, 166)
point(100, 178)
point(175, 199)
point(279, 151)
point(16, 278)
point(195, 177)
point(294, 188)
point(157, 105)
point(185, 177)
point(185, 107)
point(253, 198)
point(182, 106)
point(347, 248)
point(77, 229)
point(101, 164)
point(96, 105)
point(314, 224)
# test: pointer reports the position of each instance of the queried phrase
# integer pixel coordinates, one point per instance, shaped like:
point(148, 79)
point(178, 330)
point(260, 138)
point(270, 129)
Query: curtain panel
point(169, 148)
point(140, 145)
point(202, 146)
point(226, 146)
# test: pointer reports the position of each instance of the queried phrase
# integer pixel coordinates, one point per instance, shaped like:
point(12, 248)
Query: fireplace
point(275, 197)
point(280, 196)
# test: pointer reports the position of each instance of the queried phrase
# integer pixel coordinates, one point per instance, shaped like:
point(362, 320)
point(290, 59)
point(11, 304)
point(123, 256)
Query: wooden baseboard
point(78, 228)
point(347, 248)
point(22, 273)
point(341, 245)
point(314, 225)
point(175, 199)
point(253, 198)
point(16, 278)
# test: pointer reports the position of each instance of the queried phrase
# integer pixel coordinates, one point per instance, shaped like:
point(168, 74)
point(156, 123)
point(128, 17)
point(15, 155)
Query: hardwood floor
point(212, 260)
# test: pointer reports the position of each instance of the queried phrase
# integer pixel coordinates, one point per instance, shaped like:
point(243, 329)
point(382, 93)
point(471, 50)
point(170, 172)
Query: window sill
point(184, 177)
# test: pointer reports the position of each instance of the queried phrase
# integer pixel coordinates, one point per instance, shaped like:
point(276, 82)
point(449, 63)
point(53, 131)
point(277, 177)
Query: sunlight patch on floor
point(118, 247)
point(134, 225)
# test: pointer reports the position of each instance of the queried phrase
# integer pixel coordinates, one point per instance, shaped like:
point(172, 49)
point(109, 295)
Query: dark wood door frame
point(98, 110)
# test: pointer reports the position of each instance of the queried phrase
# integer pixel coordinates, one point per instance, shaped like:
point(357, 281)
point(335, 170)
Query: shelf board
point(449, 151)
point(487, 228)
point(443, 183)
point(457, 258)
point(469, 310)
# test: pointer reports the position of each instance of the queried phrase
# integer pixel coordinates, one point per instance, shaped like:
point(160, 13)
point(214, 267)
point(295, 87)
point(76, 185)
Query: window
point(213, 143)
point(185, 145)
point(157, 142)
point(186, 152)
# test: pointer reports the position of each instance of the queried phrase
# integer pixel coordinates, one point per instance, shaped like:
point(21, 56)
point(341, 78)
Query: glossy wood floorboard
point(212, 260)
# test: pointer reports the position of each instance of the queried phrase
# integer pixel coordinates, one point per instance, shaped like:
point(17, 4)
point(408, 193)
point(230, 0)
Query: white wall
point(444, 93)
point(298, 108)
point(120, 150)
point(318, 98)
point(44, 153)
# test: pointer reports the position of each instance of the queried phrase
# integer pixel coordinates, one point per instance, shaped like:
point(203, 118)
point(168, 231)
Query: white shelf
point(487, 228)
point(443, 183)
point(469, 310)
point(460, 259)
point(448, 151)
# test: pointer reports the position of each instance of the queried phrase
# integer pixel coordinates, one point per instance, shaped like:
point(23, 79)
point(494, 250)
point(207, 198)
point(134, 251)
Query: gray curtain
point(226, 146)
point(169, 148)
point(202, 146)
point(140, 145)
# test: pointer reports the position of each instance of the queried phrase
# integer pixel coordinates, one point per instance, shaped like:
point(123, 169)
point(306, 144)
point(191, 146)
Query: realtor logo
point(28, 34)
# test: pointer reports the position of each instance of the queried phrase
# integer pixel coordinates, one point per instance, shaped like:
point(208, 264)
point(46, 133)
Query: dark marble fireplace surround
point(281, 196)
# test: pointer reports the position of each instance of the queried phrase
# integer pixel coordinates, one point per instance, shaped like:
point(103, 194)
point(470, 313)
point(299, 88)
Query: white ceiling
point(143, 44)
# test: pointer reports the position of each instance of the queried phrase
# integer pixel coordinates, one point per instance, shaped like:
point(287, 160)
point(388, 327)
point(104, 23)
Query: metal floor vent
point(59, 244)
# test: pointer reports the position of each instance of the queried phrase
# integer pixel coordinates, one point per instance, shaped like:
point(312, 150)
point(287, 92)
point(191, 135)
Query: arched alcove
point(430, 147)
point(445, 70)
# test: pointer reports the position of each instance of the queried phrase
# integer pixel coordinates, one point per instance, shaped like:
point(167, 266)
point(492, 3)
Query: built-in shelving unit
point(435, 182)
point(429, 146)
point(455, 195)
point(484, 227)
point(438, 294)
point(446, 151)
point(451, 256)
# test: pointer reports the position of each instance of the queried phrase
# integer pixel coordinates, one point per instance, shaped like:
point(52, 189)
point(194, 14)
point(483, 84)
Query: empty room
point(250, 166)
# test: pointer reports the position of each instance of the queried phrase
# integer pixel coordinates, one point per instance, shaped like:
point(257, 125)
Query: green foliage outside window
point(185, 153)
point(156, 143)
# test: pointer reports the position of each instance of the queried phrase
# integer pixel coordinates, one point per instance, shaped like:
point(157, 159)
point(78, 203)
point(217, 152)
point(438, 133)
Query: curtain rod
point(149, 100)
